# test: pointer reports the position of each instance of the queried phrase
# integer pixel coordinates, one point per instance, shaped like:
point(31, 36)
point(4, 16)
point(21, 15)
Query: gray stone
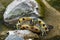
point(20, 35)
point(20, 8)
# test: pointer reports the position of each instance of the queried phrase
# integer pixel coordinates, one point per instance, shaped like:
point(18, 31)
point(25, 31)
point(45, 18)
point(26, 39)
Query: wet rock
point(21, 8)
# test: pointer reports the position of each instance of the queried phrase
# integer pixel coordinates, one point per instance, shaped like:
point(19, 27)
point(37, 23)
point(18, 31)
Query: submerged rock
point(21, 8)
point(21, 35)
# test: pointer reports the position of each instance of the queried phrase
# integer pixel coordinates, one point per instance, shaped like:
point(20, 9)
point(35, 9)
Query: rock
point(21, 8)
point(20, 35)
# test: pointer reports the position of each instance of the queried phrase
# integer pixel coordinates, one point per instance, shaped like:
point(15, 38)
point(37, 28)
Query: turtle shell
point(32, 24)
point(21, 8)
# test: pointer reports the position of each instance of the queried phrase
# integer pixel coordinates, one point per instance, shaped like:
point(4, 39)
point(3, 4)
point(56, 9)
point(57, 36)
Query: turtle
point(33, 24)
point(21, 35)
